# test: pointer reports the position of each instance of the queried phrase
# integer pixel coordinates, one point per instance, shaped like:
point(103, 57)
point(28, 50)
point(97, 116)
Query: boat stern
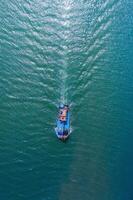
point(61, 134)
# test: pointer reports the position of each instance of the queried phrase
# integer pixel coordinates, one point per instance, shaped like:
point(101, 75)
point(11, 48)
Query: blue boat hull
point(62, 129)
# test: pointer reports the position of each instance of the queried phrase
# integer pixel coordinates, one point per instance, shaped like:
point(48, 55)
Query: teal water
point(76, 51)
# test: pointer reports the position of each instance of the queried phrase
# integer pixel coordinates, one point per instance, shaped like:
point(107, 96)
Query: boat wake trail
point(64, 33)
point(63, 83)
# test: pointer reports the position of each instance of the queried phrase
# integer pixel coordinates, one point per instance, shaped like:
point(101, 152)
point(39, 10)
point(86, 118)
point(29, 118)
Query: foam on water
point(63, 9)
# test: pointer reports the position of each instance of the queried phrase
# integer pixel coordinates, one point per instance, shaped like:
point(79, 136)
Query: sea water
point(79, 52)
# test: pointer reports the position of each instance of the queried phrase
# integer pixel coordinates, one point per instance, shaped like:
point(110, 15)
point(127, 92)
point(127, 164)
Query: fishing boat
point(62, 129)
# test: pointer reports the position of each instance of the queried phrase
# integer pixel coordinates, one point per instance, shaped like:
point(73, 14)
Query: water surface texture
point(76, 51)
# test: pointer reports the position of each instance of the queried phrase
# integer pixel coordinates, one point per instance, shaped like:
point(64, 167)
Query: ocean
point(79, 52)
